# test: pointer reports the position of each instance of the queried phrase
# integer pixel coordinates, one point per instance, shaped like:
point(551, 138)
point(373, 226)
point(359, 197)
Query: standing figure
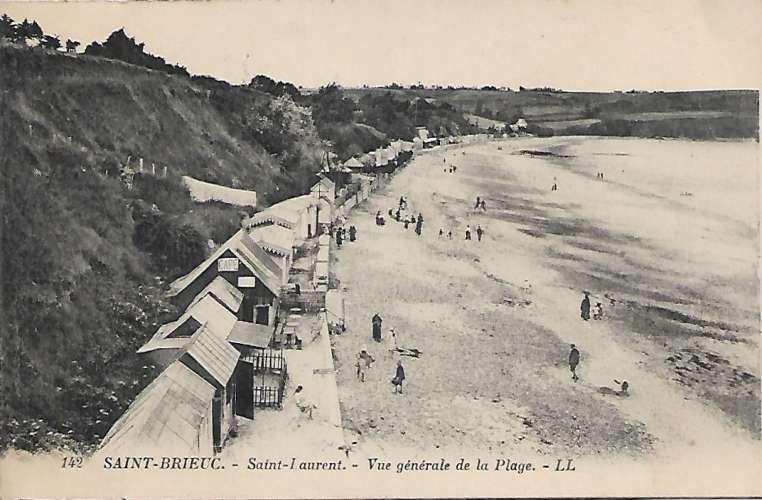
point(376, 322)
point(419, 224)
point(406, 222)
point(399, 377)
point(573, 362)
point(479, 232)
point(468, 232)
point(449, 234)
point(484, 205)
point(352, 233)
point(554, 187)
point(598, 311)
point(478, 203)
point(584, 308)
point(339, 237)
point(364, 361)
point(392, 340)
point(441, 232)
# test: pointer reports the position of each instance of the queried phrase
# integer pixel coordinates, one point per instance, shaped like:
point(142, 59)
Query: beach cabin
point(247, 267)
point(324, 193)
point(170, 339)
point(278, 242)
point(173, 415)
point(297, 214)
point(215, 360)
point(354, 165)
point(198, 381)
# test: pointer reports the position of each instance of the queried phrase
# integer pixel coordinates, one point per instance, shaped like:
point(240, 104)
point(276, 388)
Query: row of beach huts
point(222, 359)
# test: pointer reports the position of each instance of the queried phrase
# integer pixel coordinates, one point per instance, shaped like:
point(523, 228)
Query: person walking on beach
point(449, 234)
point(399, 377)
point(478, 203)
point(573, 362)
point(301, 402)
point(419, 224)
point(554, 187)
point(479, 232)
point(484, 205)
point(376, 322)
point(441, 232)
point(364, 361)
point(352, 233)
point(584, 308)
point(468, 232)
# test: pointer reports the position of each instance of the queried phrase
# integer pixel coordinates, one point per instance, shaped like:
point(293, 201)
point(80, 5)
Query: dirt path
point(495, 319)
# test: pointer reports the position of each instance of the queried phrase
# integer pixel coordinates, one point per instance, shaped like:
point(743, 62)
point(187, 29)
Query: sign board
point(227, 265)
point(247, 282)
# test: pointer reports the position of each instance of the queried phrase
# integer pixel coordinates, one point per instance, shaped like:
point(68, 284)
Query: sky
point(573, 45)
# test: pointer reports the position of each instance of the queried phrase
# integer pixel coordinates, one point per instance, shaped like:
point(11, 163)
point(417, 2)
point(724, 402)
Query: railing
point(307, 300)
point(269, 360)
point(268, 397)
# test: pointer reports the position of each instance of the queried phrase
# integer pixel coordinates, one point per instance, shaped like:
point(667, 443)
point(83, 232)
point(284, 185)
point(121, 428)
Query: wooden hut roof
point(167, 415)
point(225, 293)
point(250, 254)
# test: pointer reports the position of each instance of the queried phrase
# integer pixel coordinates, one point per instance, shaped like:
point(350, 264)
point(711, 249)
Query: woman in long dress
point(399, 377)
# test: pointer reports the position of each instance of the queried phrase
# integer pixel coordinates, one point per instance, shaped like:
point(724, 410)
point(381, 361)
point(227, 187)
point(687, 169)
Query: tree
point(71, 45)
point(35, 31)
point(6, 27)
point(50, 42)
point(21, 32)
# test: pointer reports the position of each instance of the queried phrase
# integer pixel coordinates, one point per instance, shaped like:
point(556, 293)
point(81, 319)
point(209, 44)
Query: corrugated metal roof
point(256, 259)
point(251, 334)
point(167, 416)
point(214, 354)
point(222, 290)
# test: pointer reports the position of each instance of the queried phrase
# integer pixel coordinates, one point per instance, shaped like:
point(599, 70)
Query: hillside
point(700, 114)
point(85, 251)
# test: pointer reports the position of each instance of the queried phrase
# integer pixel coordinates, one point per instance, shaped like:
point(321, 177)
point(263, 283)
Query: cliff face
point(85, 252)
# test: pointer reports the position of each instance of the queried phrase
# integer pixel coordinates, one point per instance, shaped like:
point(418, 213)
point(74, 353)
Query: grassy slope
point(735, 111)
point(78, 295)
